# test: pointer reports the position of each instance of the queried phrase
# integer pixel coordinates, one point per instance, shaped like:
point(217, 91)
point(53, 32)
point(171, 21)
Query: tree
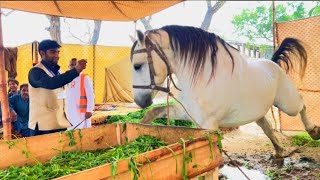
point(55, 31)
point(96, 32)
point(257, 23)
point(7, 13)
point(146, 23)
point(54, 28)
point(90, 37)
point(211, 10)
point(315, 10)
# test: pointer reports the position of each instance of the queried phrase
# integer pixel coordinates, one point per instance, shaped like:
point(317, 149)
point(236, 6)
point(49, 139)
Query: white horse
point(219, 87)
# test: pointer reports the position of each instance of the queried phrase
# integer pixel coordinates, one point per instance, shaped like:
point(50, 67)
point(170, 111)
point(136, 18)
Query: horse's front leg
point(175, 112)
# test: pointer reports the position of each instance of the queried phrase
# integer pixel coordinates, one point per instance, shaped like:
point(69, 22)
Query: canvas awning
point(97, 10)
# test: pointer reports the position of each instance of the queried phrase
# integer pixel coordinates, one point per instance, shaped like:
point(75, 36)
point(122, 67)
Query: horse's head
point(150, 65)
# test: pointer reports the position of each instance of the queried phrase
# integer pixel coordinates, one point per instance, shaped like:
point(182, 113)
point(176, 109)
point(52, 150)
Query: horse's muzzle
point(144, 101)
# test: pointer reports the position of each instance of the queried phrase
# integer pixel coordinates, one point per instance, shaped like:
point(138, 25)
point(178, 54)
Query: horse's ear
point(132, 39)
point(140, 36)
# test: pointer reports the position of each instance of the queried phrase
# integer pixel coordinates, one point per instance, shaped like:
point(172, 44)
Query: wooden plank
point(168, 134)
point(161, 163)
point(43, 148)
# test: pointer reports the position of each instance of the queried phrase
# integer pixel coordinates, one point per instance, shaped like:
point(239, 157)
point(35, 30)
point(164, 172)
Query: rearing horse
point(219, 87)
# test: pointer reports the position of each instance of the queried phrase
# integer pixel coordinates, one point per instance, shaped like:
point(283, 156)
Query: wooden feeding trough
point(161, 163)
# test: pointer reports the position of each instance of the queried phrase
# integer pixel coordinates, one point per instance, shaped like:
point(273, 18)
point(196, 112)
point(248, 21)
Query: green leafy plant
point(304, 139)
point(135, 117)
point(75, 161)
point(257, 23)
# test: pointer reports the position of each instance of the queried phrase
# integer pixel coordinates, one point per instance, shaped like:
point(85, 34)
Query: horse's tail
point(288, 46)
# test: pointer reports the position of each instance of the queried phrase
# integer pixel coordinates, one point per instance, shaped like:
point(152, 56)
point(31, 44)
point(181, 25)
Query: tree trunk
point(96, 32)
point(210, 12)
point(146, 23)
point(54, 28)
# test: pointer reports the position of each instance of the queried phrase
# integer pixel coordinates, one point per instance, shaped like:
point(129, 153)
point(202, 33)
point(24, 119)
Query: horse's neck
point(223, 68)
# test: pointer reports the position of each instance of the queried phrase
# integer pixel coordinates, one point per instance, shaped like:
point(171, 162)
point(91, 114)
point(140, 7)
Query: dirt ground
point(250, 148)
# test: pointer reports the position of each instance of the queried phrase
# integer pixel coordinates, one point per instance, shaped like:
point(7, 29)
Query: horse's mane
point(193, 44)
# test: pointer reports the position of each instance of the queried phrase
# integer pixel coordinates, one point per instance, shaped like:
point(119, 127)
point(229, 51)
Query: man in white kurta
point(73, 113)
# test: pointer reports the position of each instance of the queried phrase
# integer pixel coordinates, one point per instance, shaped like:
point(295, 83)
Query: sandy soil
point(250, 148)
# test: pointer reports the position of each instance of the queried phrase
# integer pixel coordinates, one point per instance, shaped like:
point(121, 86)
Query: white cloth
point(72, 102)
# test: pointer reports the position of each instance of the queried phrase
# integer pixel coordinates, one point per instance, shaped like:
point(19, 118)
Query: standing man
point(47, 91)
point(19, 108)
point(13, 87)
point(80, 100)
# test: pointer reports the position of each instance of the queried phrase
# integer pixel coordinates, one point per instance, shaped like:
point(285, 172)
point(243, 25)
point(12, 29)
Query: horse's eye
point(137, 66)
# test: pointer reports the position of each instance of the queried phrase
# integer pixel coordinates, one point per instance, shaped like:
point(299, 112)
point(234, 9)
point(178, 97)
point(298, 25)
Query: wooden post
point(249, 50)
point(273, 26)
point(243, 48)
point(3, 91)
point(274, 49)
point(254, 52)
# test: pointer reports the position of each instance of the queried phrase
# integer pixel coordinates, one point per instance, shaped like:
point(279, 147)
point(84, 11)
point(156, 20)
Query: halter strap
point(149, 48)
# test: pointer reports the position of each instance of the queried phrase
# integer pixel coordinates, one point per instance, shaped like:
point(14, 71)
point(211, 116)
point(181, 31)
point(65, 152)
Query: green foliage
point(257, 23)
point(135, 117)
point(75, 161)
point(315, 10)
point(304, 139)
point(273, 174)
point(70, 134)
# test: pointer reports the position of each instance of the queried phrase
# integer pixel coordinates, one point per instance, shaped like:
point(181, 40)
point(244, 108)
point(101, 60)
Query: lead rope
point(235, 164)
point(170, 94)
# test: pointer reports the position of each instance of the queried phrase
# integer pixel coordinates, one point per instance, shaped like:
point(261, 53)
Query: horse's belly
point(243, 116)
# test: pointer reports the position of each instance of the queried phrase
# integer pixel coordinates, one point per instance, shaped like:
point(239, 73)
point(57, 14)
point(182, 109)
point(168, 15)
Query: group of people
point(52, 101)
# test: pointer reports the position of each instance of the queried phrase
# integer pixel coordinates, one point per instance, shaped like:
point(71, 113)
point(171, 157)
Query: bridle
point(150, 46)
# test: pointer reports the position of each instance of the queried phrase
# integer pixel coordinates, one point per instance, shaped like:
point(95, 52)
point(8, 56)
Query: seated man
point(13, 87)
point(19, 107)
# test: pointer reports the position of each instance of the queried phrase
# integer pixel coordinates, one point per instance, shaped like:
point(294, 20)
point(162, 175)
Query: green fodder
point(302, 139)
point(135, 117)
point(75, 161)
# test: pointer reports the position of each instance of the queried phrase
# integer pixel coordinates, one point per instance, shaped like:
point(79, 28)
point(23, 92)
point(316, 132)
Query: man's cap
point(48, 44)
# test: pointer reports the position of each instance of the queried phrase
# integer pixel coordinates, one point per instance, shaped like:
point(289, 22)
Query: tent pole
point(135, 30)
point(273, 26)
point(3, 91)
point(274, 49)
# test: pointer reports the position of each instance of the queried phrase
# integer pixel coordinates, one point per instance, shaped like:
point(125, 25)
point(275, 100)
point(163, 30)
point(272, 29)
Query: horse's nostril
point(137, 66)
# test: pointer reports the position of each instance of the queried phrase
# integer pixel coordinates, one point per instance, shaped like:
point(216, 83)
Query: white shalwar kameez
point(72, 103)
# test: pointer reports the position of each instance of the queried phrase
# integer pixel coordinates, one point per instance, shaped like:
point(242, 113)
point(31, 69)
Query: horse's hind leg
point(175, 111)
point(267, 129)
point(290, 101)
point(313, 130)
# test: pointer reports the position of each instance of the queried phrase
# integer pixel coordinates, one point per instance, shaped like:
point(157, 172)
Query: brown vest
point(45, 107)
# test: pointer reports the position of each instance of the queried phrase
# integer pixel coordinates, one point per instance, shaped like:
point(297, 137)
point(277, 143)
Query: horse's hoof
point(278, 161)
point(315, 133)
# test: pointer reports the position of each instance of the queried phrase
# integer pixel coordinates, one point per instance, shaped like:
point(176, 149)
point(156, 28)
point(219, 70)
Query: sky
point(22, 27)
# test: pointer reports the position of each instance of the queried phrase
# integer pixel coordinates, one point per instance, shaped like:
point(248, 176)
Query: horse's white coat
point(230, 98)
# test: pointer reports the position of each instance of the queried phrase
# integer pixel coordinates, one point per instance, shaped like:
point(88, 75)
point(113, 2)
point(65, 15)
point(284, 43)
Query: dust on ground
point(250, 149)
